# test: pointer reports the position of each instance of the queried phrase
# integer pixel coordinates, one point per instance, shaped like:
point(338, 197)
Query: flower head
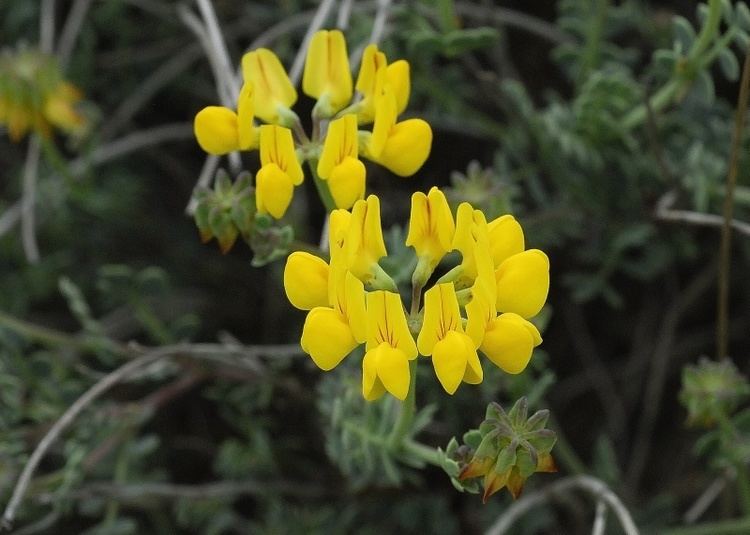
point(220, 130)
point(431, 227)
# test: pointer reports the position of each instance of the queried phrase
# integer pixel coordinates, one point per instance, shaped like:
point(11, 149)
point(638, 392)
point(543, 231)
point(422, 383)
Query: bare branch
point(47, 26)
point(28, 200)
point(598, 489)
point(664, 212)
point(71, 30)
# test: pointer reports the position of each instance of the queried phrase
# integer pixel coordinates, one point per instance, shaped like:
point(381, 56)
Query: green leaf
point(683, 32)
point(729, 65)
point(743, 15)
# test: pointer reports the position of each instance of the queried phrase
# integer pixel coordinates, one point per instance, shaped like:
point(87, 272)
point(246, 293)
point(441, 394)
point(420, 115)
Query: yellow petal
point(277, 146)
point(327, 69)
point(215, 129)
point(371, 76)
point(306, 281)
point(441, 316)
point(431, 225)
point(347, 182)
point(510, 341)
point(399, 79)
point(407, 147)
point(247, 133)
point(386, 323)
point(372, 386)
point(450, 357)
point(338, 226)
point(355, 311)
point(385, 121)
point(506, 238)
point(273, 88)
point(523, 283)
point(480, 310)
point(341, 142)
point(473, 374)
point(364, 244)
point(273, 191)
point(326, 337)
point(393, 370)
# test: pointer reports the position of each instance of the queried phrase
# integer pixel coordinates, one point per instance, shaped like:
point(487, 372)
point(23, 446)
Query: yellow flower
point(506, 238)
point(472, 241)
point(523, 283)
point(34, 96)
point(331, 333)
point(431, 225)
point(339, 164)
point(454, 354)
point(390, 347)
point(327, 77)
point(374, 73)
point(274, 92)
point(509, 341)
point(306, 280)
point(220, 130)
point(402, 147)
point(279, 173)
point(364, 245)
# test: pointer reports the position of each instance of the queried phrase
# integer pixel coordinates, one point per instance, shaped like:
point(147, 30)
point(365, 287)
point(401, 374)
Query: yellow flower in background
point(35, 96)
point(390, 347)
point(339, 164)
point(331, 333)
point(327, 77)
point(454, 354)
point(274, 92)
point(220, 130)
point(279, 173)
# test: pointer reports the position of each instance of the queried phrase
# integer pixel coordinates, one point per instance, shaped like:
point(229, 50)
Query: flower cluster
point(34, 96)
point(482, 304)
point(336, 143)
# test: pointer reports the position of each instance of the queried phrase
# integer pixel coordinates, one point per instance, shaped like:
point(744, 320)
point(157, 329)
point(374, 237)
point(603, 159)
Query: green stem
point(405, 420)
point(666, 94)
point(725, 250)
point(43, 335)
point(727, 527)
point(709, 29)
point(425, 453)
point(323, 191)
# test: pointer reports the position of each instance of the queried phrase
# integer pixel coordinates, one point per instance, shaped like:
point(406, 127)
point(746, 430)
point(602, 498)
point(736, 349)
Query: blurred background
point(604, 126)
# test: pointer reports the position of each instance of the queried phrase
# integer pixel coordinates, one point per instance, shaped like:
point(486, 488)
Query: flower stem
point(323, 191)
point(725, 251)
point(427, 454)
point(403, 425)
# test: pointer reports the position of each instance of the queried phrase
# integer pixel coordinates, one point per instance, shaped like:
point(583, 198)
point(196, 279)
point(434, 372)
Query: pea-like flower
point(390, 347)
point(220, 130)
point(274, 93)
point(339, 165)
point(279, 173)
point(374, 73)
point(327, 77)
point(431, 230)
point(454, 354)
